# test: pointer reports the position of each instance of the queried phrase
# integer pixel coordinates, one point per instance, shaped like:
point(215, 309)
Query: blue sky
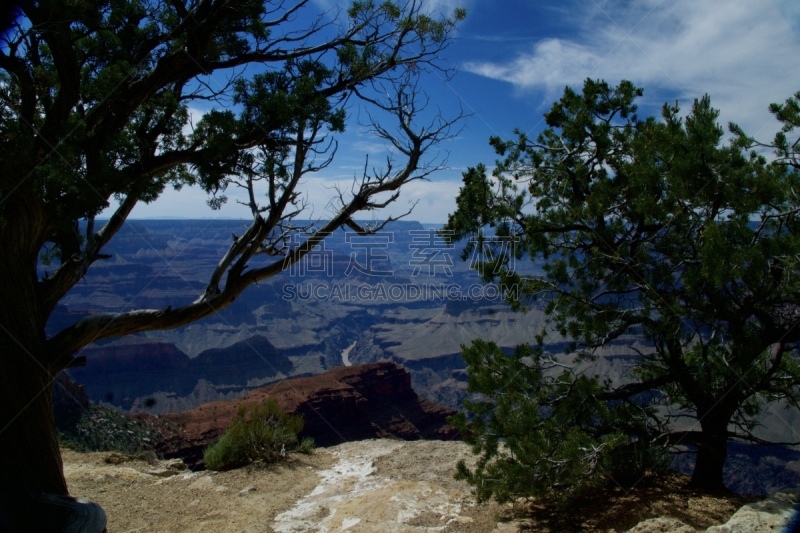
point(514, 58)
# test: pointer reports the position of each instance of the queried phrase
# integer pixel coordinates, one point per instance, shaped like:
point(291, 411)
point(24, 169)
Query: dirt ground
point(368, 475)
point(239, 500)
point(366, 486)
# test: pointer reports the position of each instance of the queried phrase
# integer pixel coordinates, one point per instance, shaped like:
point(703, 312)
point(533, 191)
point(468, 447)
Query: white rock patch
point(352, 496)
point(767, 515)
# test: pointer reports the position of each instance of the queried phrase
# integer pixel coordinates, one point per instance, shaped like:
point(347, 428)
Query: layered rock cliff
point(343, 404)
point(124, 370)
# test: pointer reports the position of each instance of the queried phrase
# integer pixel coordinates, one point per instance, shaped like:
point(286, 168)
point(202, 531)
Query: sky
point(513, 59)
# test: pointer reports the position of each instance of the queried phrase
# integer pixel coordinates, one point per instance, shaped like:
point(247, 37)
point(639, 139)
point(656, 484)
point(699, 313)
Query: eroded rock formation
point(343, 404)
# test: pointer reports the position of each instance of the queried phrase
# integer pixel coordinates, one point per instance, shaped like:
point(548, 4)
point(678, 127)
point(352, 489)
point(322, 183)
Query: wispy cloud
point(445, 7)
point(744, 53)
point(369, 147)
point(438, 7)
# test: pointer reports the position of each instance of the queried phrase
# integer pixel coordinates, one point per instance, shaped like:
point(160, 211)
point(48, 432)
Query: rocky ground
point(365, 486)
point(373, 485)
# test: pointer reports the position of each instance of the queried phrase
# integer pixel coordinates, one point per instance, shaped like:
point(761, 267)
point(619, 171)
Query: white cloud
point(195, 115)
point(553, 64)
point(445, 7)
point(434, 199)
point(744, 53)
point(362, 148)
point(189, 202)
point(437, 7)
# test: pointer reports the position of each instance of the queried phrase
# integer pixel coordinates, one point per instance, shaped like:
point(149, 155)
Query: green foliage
point(541, 431)
point(657, 229)
point(305, 446)
point(107, 86)
point(260, 432)
point(99, 105)
point(102, 429)
point(785, 145)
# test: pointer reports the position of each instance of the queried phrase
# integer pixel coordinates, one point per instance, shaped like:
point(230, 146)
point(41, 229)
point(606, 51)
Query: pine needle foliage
point(540, 430)
point(659, 229)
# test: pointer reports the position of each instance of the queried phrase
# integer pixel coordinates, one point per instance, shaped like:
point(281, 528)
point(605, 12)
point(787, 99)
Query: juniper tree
point(662, 230)
point(94, 108)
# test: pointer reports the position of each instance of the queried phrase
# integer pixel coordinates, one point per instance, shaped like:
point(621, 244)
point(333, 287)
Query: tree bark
point(30, 460)
point(711, 453)
point(33, 491)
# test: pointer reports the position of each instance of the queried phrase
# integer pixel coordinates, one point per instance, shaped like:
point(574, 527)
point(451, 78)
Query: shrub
point(543, 431)
point(101, 428)
point(260, 432)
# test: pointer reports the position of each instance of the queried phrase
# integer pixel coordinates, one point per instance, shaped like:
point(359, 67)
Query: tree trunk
point(33, 491)
point(30, 460)
point(711, 453)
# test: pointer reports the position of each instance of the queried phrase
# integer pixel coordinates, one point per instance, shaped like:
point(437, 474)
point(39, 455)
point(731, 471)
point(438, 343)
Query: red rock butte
point(344, 404)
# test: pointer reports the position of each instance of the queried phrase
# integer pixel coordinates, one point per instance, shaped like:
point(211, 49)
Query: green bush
point(543, 431)
point(101, 428)
point(260, 432)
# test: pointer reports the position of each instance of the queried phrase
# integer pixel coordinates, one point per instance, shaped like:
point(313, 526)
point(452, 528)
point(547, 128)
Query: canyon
point(403, 296)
